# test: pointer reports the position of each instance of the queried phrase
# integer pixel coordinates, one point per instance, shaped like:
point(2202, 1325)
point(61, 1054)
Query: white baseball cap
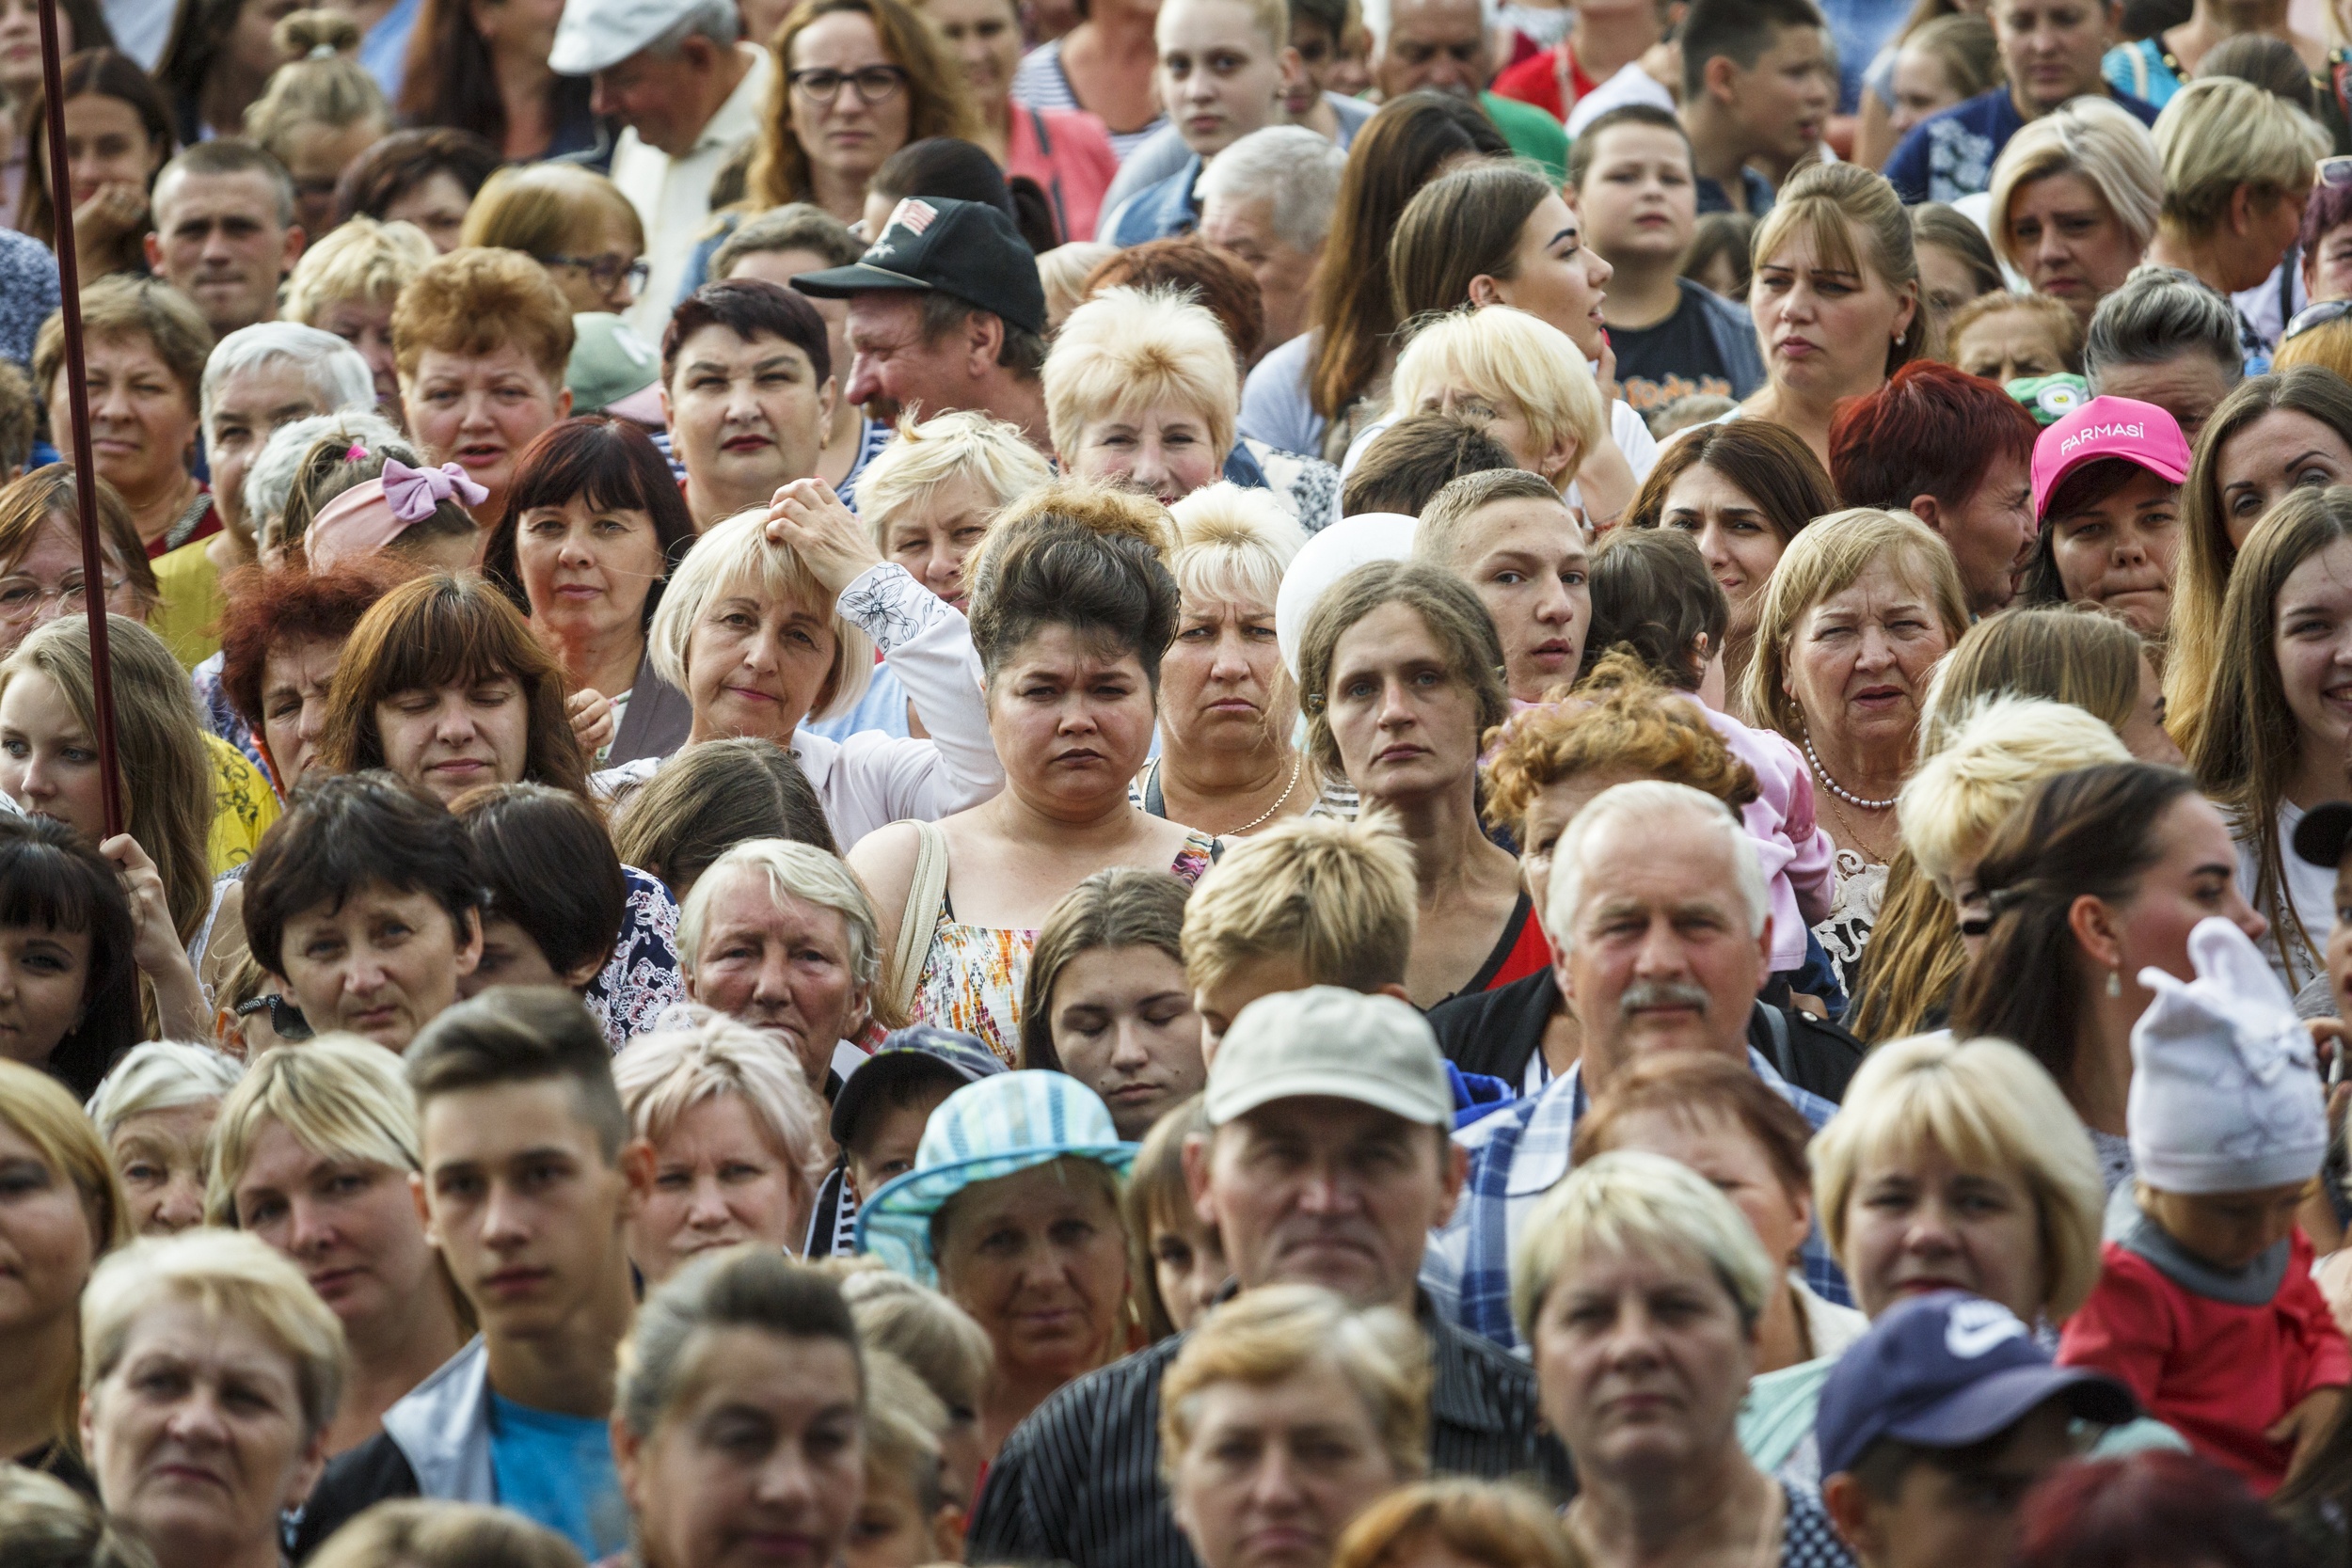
point(1330, 1042)
point(596, 34)
point(1326, 558)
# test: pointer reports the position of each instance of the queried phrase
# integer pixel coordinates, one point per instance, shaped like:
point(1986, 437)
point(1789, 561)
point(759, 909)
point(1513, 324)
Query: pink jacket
point(1800, 860)
point(1068, 153)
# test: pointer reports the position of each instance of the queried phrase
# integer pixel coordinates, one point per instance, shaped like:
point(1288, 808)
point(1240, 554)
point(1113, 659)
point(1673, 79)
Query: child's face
point(890, 1529)
point(1244, 983)
point(2339, 942)
point(1188, 1263)
point(1953, 1518)
point(2228, 1231)
point(887, 1135)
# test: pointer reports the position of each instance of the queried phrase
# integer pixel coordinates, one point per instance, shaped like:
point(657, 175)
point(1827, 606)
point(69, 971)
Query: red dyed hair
point(268, 610)
point(1929, 431)
point(2157, 1509)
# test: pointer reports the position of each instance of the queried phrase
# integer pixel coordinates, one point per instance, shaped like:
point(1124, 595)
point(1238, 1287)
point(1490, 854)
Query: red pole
point(77, 399)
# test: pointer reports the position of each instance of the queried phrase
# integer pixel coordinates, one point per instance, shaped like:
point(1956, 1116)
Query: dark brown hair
point(608, 462)
point(1654, 596)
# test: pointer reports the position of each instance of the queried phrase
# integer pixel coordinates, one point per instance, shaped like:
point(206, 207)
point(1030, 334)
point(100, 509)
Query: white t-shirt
point(2311, 891)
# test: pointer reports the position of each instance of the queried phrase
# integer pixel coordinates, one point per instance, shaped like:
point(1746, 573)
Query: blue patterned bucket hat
point(1000, 1126)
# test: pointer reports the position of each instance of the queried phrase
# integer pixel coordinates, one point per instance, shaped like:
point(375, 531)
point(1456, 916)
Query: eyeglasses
point(22, 598)
point(2316, 315)
point(607, 271)
point(873, 84)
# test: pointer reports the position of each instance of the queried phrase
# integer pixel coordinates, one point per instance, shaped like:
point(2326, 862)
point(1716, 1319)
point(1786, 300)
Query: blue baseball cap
point(918, 1050)
point(1944, 1371)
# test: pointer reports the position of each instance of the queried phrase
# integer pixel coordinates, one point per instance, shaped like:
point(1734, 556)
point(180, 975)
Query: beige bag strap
point(919, 919)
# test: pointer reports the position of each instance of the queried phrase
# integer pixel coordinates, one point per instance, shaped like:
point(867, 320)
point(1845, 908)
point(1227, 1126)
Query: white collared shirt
point(672, 194)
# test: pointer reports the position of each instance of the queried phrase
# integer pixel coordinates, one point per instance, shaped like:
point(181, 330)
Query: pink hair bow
point(413, 493)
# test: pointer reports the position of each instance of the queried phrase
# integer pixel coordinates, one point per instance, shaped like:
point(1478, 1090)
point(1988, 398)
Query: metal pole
point(77, 400)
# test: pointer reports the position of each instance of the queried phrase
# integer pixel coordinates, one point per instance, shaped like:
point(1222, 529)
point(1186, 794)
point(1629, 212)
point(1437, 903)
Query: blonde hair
point(1827, 558)
point(1232, 543)
point(1272, 18)
point(1636, 1204)
point(2069, 653)
point(162, 1075)
point(1833, 206)
point(2327, 345)
point(1506, 354)
point(221, 1273)
point(320, 84)
point(1493, 1524)
point(1127, 350)
point(904, 1423)
point(2099, 142)
point(120, 305)
point(1339, 898)
point(664, 1074)
point(541, 209)
point(342, 1097)
point(418, 1533)
point(2217, 133)
point(359, 259)
point(925, 1330)
point(1276, 1331)
point(740, 551)
point(1985, 1106)
point(924, 458)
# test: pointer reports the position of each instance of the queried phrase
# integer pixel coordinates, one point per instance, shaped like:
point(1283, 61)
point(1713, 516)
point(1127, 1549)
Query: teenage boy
point(878, 1117)
point(529, 1180)
point(1632, 180)
point(1509, 535)
point(1224, 69)
point(1934, 1425)
point(1757, 87)
point(1408, 463)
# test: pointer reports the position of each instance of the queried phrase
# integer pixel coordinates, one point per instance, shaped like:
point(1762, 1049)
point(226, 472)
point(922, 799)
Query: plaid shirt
point(1517, 1155)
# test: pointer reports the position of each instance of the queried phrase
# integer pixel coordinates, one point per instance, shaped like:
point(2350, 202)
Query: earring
point(2115, 982)
point(1899, 336)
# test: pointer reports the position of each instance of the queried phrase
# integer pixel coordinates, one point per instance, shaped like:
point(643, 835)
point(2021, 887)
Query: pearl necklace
point(1837, 789)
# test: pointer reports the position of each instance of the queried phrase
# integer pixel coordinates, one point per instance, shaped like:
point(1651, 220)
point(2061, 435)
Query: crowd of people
point(1176, 783)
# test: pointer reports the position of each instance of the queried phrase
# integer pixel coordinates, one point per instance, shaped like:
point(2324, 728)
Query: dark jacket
point(1732, 330)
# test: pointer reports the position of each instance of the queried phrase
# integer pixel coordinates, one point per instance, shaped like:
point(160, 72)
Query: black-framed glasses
point(2316, 315)
point(872, 83)
point(284, 1017)
point(607, 271)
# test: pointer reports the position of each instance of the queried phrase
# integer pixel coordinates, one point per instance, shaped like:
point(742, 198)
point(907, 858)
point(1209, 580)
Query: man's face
point(1660, 956)
point(659, 98)
point(1243, 229)
point(1437, 46)
point(1322, 1191)
point(219, 240)
point(895, 367)
point(1783, 102)
point(2051, 49)
point(248, 406)
point(1525, 560)
point(1955, 1517)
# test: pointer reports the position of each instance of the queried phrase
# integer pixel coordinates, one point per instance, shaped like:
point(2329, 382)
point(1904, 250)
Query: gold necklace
point(1297, 762)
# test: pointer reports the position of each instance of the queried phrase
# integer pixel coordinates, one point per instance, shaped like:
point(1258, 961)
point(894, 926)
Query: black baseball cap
point(2324, 833)
point(919, 1050)
point(937, 244)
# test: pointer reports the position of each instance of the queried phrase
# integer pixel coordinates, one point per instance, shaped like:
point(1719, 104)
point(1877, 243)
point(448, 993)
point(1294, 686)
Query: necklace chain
point(1297, 762)
point(1838, 790)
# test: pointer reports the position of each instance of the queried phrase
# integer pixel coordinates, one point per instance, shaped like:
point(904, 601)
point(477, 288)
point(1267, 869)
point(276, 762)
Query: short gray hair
point(1380, 15)
point(269, 482)
point(799, 871)
point(337, 375)
point(1294, 170)
point(1617, 812)
point(715, 20)
point(2159, 314)
point(162, 1075)
point(795, 226)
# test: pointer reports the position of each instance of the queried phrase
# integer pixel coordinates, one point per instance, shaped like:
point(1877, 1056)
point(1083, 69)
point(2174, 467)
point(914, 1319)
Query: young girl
point(1180, 1261)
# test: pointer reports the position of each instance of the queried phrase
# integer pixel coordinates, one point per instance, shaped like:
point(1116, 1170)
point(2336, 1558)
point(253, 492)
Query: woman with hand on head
point(313, 1153)
point(2074, 200)
point(119, 136)
point(154, 1110)
point(932, 491)
point(1107, 1000)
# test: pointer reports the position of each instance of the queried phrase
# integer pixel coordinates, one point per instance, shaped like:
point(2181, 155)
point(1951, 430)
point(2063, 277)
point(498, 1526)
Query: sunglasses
point(284, 1017)
point(2316, 315)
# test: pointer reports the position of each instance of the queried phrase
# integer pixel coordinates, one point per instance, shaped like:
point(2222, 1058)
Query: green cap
point(613, 370)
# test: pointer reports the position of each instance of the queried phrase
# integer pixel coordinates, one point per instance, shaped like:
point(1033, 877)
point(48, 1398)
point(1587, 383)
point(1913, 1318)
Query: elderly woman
point(1522, 378)
point(2074, 201)
point(347, 284)
point(2167, 338)
point(66, 1211)
point(1106, 1001)
point(40, 555)
point(749, 384)
point(154, 1110)
point(1013, 1207)
point(821, 144)
point(572, 221)
point(777, 247)
point(678, 824)
point(2107, 511)
point(207, 1332)
point(932, 493)
point(313, 1153)
point(145, 346)
point(1141, 390)
point(281, 640)
point(738, 1138)
point(481, 338)
point(1600, 1252)
point(1072, 611)
point(745, 1337)
point(593, 524)
point(1859, 609)
point(2238, 167)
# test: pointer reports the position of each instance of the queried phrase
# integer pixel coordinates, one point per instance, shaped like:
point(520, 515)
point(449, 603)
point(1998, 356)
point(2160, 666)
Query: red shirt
point(1537, 80)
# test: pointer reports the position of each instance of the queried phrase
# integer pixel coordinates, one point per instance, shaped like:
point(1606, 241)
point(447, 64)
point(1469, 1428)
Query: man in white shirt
point(688, 91)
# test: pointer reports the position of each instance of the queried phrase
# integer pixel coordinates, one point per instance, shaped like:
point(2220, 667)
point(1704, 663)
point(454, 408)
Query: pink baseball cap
point(2139, 433)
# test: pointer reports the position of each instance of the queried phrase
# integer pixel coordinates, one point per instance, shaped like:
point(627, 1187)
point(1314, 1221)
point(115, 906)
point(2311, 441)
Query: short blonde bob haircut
point(358, 260)
point(793, 870)
point(736, 556)
point(1636, 1204)
point(2099, 143)
point(1129, 350)
point(1337, 897)
point(1232, 545)
point(1493, 1524)
point(1276, 1331)
point(1987, 1106)
point(1506, 356)
point(547, 210)
point(688, 1059)
point(222, 1274)
point(2219, 134)
point(162, 1075)
point(1826, 558)
point(1997, 753)
point(340, 1097)
point(924, 459)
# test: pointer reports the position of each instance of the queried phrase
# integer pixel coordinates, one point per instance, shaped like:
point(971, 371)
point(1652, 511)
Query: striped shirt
point(1079, 1480)
point(1040, 83)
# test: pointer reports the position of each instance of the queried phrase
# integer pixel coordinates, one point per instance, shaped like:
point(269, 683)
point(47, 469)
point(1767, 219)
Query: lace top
point(1852, 913)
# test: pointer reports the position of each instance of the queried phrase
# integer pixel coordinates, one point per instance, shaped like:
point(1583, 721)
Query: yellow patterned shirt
point(244, 806)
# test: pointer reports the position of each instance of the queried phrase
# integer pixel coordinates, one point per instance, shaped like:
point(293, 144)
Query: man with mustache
point(1661, 929)
point(1325, 1162)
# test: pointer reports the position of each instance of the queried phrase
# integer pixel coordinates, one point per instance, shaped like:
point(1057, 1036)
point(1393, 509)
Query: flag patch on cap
point(911, 215)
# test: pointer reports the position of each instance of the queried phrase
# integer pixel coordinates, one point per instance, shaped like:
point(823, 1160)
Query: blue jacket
point(1950, 155)
point(1157, 210)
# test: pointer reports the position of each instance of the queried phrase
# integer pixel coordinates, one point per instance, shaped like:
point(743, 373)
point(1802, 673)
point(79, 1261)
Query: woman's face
point(2266, 459)
point(1825, 330)
point(160, 1156)
point(586, 569)
point(759, 1461)
point(436, 204)
point(781, 267)
point(383, 963)
point(848, 139)
point(46, 1247)
point(1916, 1220)
point(480, 412)
point(2194, 879)
point(1188, 1266)
point(2143, 734)
point(1406, 724)
point(1123, 1025)
point(934, 534)
point(1947, 281)
point(48, 759)
point(718, 1181)
point(106, 144)
point(197, 1435)
point(1040, 1260)
point(1163, 451)
point(1736, 538)
point(1072, 719)
point(1641, 1363)
point(755, 664)
point(1922, 87)
point(296, 676)
point(1274, 1472)
point(142, 421)
point(2068, 242)
point(350, 1226)
point(247, 50)
point(2311, 636)
point(1219, 76)
point(19, 49)
point(1721, 1150)
point(1559, 280)
point(1221, 682)
point(985, 37)
point(316, 155)
point(2005, 345)
point(45, 977)
point(779, 963)
point(2328, 265)
point(2188, 386)
point(367, 326)
point(46, 583)
point(1860, 659)
point(2118, 552)
point(446, 739)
